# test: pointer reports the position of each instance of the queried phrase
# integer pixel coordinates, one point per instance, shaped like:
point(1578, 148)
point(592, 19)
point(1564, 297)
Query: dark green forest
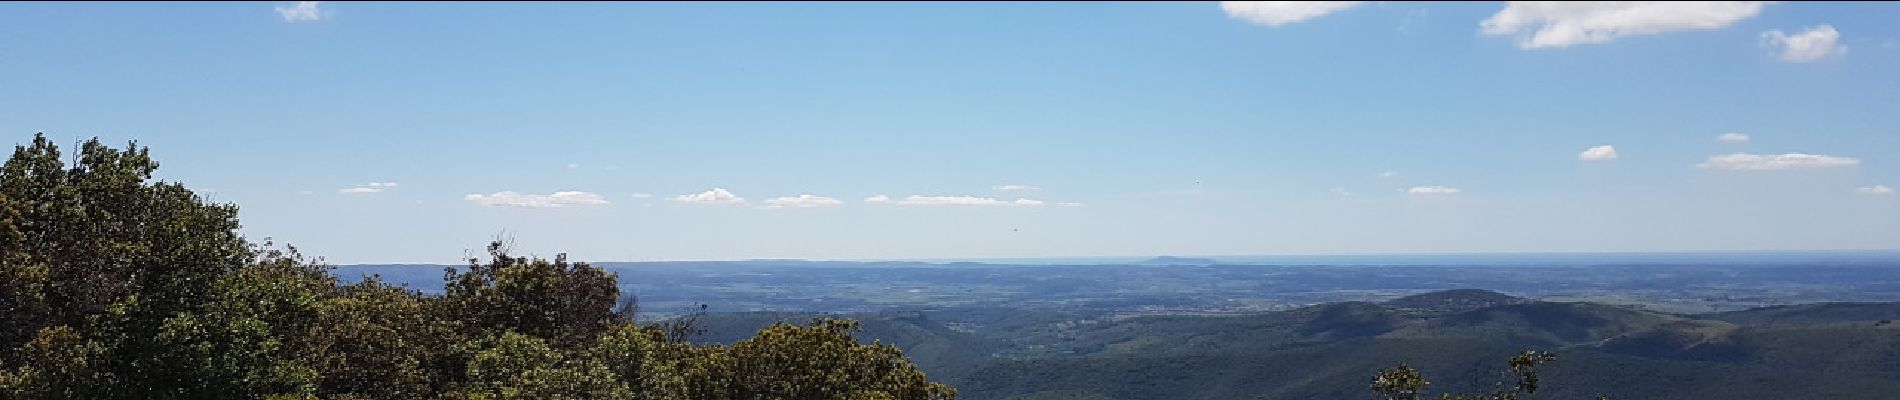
point(116, 286)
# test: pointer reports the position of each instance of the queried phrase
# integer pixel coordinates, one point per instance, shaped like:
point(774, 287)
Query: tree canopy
point(117, 286)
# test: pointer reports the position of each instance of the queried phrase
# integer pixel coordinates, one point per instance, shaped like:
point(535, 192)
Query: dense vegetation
point(114, 286)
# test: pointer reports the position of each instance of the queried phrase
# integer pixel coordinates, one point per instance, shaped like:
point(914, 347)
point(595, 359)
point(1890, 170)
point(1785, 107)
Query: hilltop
point(1456, 300)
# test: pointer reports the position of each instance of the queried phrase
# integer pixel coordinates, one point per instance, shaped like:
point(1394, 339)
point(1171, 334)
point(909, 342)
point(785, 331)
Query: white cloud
point(1599, 153)
point(1773, 162)
point(642, 195)
point(1068, 204)
point(714, 196)
point(1875, 190)
point(878, 199)
point(554, 200)
point(964, 201)
point(1276, 13)
point(304, 11)
point(1015, 187)
point(801, 201)
point(1426, 190)
point(1733, 137)
point(573, 166)
point(372, 187)
point(1388, 174)
point(1813, 44)
point(1561, 24)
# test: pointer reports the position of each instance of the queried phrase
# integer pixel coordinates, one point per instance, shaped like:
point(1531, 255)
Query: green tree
point(248, 339)
point(113, 286)
point(518, 366)
point(566, 303)
point(650, 365)
point(374, 340)
point(1399, 383)
point(824, 361)
point(57, 364)
point(100, 248)
point(101, 231)
point(1404, 383)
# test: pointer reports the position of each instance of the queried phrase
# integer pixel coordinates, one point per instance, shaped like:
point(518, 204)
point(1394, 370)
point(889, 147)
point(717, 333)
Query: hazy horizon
point(1460, 258)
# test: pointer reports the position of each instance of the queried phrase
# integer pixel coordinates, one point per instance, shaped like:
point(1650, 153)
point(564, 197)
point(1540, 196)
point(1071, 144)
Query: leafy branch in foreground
point(1405, 383)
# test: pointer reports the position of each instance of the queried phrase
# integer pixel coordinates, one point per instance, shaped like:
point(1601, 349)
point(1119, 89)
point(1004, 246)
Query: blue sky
point(414, 132)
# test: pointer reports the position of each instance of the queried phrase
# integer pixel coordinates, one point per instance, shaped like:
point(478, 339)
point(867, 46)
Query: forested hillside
point(1457, 340)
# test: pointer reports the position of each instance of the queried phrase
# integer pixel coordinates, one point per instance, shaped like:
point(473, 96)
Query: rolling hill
point(1458, 339)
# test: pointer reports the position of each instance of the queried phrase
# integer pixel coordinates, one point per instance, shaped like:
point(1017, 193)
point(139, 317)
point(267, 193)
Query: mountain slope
point(1330, 350)
point(1454, 301)
point(1539, 324)
point(1811, 314)
point(1458, 339)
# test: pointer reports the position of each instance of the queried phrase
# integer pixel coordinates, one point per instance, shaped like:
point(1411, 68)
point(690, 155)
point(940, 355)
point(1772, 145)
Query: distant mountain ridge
point(1172, 260)
point(1818, 313)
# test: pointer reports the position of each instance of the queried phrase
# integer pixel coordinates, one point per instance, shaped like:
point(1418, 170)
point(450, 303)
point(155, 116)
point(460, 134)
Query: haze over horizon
point(408, 133)
point(1532, 258)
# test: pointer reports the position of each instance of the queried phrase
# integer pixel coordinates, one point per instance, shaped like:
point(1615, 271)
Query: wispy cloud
point(1875, 190)
point(1776, 162)
point(878, 199)
point(714, 196)
point(1068, 204)
point(801, 201)
point(1809, 45)
point(1733, 137)
point(1276, 13)
point(642, 195)
point(372, 187)
point(553, 200)
point(1599, 153)
point(1431, 190)
point(1388, 174)
point(1559, 24)
point(916, 200)
point(1015, 187)
point(303, 11)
